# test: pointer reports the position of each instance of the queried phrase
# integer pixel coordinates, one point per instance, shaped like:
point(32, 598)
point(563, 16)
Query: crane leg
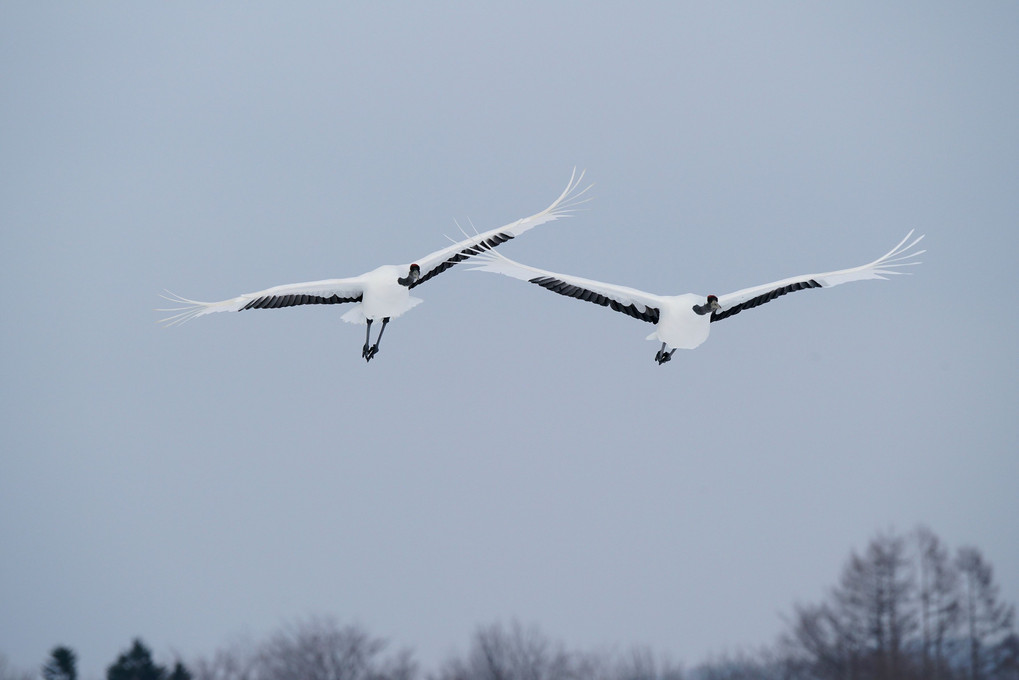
point(366, 351)
point(370, 352)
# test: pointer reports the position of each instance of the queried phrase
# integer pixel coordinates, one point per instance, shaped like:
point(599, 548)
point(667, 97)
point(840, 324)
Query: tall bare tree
point(938, 596)
point(988, 621)
point(863, 629)
point(874, 598)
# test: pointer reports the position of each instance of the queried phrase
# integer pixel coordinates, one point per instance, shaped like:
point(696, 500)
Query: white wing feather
point(563, 206)
point(888, 264)
point(189, 309)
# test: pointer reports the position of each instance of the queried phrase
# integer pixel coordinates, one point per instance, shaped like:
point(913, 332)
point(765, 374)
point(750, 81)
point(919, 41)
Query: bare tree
point(313, 649)
point(938, 595)
point(863, 630)
point(237, 662)
point(823, 644)
point(903, 614)
point(988, 621)
point(897, 588)
point(877, 591)
point(319, 649)
point(516, 653)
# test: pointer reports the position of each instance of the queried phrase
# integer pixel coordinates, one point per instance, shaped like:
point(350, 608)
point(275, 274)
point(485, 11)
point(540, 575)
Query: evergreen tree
point(62, 665)
point(136, 664)
point(179, 672)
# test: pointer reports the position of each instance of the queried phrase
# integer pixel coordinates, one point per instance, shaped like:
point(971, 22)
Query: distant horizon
point(616, 653)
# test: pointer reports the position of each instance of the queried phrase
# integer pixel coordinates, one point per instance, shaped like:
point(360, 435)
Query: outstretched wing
point(889, 264)
point(441, 260)
point(328, 292)
point(629, 301)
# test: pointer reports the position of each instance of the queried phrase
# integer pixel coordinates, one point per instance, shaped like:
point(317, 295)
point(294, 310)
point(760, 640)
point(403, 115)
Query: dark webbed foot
point(662, 356)
point(366, 352)
point(371, 352)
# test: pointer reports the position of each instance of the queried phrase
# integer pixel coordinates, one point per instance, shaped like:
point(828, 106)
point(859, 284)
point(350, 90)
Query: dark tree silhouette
point(62, 665)
point(179, 672)
point(136, 664)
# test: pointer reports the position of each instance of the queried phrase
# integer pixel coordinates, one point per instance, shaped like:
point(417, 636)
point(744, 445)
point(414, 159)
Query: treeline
point(906, 608)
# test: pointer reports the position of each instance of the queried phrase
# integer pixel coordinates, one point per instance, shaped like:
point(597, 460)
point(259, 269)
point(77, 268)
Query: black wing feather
point(465, 254)
point(649, 314)
point(277, 301)
point(764, 297)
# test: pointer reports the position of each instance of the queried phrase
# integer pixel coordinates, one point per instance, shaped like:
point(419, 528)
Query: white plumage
point(383, 293)
point(684, 321)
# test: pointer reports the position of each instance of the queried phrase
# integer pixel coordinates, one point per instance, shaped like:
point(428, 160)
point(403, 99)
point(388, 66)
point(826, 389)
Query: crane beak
point(715, 307)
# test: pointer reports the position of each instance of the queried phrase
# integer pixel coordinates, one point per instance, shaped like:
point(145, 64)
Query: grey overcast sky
point(509, 453)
